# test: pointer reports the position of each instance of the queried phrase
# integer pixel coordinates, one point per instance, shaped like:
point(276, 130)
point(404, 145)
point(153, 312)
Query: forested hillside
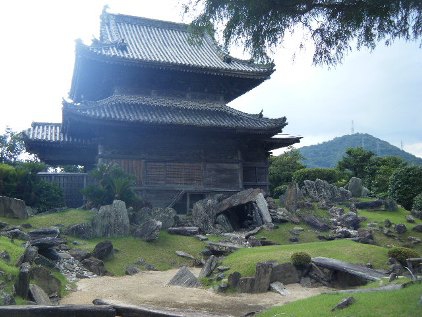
point(327, 154)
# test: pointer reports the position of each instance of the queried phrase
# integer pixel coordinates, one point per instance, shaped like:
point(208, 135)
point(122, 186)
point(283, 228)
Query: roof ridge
point(148, 21)
point(45, 123)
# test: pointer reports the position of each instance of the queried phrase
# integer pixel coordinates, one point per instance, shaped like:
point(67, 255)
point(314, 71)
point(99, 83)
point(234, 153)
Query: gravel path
point(149, 289)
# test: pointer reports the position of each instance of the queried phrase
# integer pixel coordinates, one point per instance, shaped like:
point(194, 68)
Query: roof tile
point(146, 40)
point(165, 110)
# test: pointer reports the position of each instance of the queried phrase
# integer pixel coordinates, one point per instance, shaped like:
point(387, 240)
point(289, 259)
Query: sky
point(379, 91)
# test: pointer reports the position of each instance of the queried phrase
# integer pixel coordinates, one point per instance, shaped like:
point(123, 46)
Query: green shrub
point(417, 202)
point(21, 181)
point(48, 196)
point(8, 180)
point(112, 182)
point(300, 258)
point(279, 190)
point(405, 184)
point(331, 175)
point(401, 254)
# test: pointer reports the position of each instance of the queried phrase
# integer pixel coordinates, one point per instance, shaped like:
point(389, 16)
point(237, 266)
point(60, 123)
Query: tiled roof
point(160, 43)
point(163, 110)
point(52, 133)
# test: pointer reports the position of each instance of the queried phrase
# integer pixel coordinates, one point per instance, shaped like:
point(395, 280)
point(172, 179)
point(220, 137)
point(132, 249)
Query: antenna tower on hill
point(353, 127)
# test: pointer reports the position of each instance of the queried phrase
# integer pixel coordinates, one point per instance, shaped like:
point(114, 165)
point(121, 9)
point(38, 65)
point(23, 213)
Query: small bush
point(300, 258)
point(330, 175)
point(401, 254)
point(417, 202)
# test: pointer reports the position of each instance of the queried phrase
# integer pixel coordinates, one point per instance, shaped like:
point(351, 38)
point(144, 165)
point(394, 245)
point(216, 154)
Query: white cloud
point(415, 149)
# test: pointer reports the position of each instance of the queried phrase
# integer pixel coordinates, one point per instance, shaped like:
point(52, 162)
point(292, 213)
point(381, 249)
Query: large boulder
point(111, 220)
point(222, 223)
point(349, 220)
point(44, 279)
point(165, 216)
point(52, 232)
point(355, 186)
point(80, 230)
point(204, 213)
point(292, 197)
point(149, 230)
point(285, 273)
point(22, 283)
point(94, 265)
point(250, 203)
point(12, 208)
point(38, 295)
point(316, 223)
point(103, 250)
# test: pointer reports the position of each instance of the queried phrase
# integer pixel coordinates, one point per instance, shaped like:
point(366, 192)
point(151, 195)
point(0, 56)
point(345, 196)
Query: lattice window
point(174, 173)
point(156, 173)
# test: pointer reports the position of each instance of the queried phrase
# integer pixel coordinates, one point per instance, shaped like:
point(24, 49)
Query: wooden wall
point(169, 164)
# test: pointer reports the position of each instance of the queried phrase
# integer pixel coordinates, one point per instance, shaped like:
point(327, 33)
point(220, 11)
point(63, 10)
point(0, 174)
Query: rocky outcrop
point(111, 220)
point(244, 210)
point(12, 208)
point(322, 191)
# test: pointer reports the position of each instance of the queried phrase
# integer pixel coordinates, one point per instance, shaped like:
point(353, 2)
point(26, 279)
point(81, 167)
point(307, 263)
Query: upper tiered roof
point(158, 43)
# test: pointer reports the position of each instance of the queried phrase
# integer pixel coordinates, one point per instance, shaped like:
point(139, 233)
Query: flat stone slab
point(353, 269)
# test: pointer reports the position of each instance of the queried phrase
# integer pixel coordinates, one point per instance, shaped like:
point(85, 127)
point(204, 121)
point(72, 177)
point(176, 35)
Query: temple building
point(148, 97)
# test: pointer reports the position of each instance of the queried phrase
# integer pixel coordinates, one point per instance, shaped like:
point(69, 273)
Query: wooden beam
point(57, 311)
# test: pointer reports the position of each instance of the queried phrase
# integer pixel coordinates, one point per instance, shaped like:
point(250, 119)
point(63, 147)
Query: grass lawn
point(395, 217)
point(10, 271)
point(61, 218)
point(281, 234)
point(160, 253)
point(403, 303)
point(244, 260)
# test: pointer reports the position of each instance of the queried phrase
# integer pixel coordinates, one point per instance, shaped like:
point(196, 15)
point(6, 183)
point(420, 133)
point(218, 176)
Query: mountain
point(327, 154)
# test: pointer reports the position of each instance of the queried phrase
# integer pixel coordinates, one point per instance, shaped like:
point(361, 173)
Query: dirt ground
point(149, 289)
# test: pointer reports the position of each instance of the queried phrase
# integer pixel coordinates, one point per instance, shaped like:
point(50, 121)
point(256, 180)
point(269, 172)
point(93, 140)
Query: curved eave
point(261, 74)
point(79, 119)
point(278, 143)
